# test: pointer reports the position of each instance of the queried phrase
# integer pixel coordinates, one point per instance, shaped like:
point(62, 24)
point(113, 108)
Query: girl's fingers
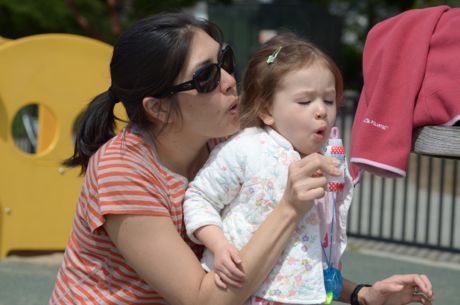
point(317, 173)
point(230, 281)
point(311, 163)
point(235, 268)
point(235, 255)
point(310, 183)
point(234, 273)
point(219, 281)
point(229, 272)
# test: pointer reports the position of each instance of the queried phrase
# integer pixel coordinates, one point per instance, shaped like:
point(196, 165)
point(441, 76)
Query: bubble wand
point(332, 275)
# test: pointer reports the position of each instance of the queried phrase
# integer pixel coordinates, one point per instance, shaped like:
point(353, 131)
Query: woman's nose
point(227, 81)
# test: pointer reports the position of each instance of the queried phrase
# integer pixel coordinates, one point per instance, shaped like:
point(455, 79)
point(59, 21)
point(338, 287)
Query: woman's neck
point(181, 153)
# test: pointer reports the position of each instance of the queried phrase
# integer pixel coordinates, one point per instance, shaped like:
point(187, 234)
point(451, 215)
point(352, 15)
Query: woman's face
point(304, 108)
point(213, 114)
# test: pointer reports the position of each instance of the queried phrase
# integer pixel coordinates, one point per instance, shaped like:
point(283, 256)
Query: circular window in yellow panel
point(34, 129)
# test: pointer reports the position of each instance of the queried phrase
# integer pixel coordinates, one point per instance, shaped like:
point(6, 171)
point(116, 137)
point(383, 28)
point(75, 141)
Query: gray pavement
point(29, 281)
point(367, 262)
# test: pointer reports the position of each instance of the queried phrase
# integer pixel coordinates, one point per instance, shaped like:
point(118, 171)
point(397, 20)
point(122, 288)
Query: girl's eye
point(330, 102)
point(304, 102)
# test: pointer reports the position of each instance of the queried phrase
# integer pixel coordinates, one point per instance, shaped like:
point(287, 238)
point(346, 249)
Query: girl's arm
point(153, 247)
point(227, 261)
point(214, 187)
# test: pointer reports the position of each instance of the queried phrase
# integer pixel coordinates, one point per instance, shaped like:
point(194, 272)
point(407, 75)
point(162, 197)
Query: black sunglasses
point(206, 78)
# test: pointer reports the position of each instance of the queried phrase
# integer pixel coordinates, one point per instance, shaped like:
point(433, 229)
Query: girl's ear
point(265, 115)
point(156, 109)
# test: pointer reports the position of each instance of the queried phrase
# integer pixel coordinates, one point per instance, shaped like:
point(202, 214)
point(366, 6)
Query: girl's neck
point(181, 153)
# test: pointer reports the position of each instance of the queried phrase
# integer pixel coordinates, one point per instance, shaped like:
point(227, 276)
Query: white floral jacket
point(239, 186)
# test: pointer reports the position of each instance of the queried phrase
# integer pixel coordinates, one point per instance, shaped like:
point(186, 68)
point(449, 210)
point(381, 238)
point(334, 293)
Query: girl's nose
point(321, 113)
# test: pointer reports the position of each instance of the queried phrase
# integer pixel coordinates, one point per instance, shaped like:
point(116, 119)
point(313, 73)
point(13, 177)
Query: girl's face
point(304, 108)
point(213, 114)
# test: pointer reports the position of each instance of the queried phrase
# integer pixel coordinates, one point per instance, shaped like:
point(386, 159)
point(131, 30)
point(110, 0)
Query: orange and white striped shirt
point(123, 177)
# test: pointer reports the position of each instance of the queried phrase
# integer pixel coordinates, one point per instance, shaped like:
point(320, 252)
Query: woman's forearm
point(258, 257)
point(347, 289)
point(161, 257)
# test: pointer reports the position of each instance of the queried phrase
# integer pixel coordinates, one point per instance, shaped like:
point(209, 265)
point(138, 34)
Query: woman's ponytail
point(96, 126)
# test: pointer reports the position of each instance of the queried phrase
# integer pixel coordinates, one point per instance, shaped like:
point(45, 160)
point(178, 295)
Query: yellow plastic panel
point(60, 73)
point(4, 40)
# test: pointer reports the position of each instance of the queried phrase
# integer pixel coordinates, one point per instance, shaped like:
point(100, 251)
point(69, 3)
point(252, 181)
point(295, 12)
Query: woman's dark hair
point(146, 60)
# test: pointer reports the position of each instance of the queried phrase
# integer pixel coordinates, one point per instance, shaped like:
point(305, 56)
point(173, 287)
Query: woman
point(128, 244)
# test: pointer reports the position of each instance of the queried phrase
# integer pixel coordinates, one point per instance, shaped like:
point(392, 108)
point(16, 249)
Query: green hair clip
point(271, 58)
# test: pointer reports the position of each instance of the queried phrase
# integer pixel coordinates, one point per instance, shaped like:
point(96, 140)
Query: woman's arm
point(162, 258)
point(395, 290)
point(152, 246)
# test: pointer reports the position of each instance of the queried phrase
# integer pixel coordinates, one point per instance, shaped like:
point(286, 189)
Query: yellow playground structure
point(45, 83)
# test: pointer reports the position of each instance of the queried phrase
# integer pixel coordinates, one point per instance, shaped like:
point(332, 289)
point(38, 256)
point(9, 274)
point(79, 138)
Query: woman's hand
point(307, 181)
point(398, 290)
point(227, 266)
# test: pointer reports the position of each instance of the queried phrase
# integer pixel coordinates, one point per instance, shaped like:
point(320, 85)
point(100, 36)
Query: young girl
point(291, 92)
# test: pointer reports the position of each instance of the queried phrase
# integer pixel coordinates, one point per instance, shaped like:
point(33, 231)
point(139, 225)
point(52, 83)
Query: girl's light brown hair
point(261, 79)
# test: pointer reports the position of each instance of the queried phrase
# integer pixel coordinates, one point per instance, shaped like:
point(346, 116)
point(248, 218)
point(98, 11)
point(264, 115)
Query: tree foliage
point(106, 19)
point(100, 19)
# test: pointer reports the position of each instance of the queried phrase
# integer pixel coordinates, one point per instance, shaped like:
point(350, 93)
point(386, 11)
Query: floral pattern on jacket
point(239, 186)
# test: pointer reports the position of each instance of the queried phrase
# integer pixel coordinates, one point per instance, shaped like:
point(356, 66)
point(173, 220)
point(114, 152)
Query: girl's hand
point(307, 181)
point(227, 266)
point(398, 290)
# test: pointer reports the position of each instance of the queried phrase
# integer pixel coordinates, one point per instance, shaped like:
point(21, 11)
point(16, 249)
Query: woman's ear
point(156, 109)
point(265, 115)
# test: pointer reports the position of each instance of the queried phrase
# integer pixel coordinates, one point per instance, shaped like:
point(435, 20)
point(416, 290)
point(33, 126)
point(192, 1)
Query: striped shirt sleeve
point(124, 182)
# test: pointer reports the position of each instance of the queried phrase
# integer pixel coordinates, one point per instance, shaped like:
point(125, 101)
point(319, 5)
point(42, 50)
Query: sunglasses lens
point(228, 60)
point(208, 78)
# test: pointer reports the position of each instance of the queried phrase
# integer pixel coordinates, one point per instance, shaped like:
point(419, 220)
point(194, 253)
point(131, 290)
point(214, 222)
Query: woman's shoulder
point(126, 139)
point(127, 152)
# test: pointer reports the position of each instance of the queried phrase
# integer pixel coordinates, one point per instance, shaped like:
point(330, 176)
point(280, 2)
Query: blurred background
point(338, 26)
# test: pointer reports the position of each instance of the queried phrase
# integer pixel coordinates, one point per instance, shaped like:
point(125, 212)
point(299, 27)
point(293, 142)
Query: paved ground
point(370, 261)
point(29, 281)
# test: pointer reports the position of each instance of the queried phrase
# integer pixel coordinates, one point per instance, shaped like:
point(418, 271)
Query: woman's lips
point(234, 108)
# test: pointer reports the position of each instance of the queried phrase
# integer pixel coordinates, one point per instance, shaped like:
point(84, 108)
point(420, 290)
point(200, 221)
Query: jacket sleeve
point(215, 186)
